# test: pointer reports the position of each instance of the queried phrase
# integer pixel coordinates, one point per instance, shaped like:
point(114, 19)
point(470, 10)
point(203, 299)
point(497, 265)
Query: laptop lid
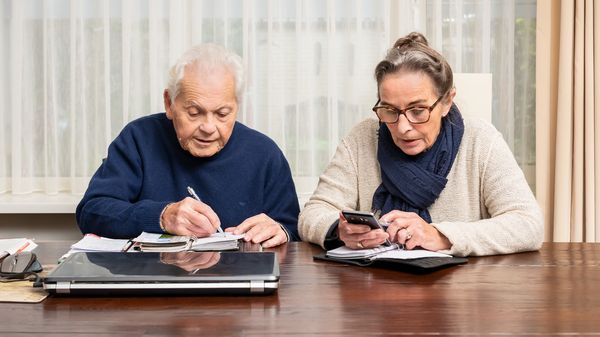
point(167, 273)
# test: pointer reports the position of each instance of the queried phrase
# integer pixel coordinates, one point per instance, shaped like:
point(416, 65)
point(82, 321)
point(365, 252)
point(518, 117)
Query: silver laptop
point(174, 273)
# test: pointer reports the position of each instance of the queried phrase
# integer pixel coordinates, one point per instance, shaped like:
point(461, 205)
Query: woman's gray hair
point(412, 53)
point(208, 56)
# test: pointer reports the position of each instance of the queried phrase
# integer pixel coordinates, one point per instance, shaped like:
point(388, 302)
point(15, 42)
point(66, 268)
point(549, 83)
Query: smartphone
point(363, 218)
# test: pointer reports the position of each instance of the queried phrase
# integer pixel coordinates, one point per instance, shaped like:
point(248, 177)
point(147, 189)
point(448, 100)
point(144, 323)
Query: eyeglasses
point(416, 115)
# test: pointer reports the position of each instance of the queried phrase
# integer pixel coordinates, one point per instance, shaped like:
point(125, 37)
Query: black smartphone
point(363, 218)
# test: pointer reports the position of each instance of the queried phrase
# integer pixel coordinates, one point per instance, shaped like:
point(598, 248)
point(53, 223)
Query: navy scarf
point(413, 183)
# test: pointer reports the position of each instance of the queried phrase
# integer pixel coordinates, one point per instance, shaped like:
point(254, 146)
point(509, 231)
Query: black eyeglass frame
point(403, 111)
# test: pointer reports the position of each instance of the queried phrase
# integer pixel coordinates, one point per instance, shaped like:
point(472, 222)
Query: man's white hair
point(209, 56)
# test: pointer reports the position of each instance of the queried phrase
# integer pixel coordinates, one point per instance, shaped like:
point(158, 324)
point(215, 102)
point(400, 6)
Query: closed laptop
point(172, 273)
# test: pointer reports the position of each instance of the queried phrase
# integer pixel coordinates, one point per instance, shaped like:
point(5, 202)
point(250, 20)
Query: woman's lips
point(409, 141)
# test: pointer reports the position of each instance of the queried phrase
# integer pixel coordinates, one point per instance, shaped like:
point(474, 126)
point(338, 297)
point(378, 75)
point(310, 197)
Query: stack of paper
point(382, 252)
point(95, 243)
point(154, 242)
point(217, 241)
point(347, 253)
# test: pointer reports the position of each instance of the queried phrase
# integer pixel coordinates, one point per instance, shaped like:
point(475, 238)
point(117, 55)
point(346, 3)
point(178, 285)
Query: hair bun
point(410, 40)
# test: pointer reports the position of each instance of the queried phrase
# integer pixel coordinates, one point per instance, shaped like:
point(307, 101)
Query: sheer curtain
point(74, 72)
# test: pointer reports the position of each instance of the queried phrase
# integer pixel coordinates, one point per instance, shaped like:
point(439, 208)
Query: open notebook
point(154, 242)
point(392, 257)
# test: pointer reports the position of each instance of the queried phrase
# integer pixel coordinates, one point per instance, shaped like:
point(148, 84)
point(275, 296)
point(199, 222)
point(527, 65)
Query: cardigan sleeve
point(337, 190)
point(515, 221)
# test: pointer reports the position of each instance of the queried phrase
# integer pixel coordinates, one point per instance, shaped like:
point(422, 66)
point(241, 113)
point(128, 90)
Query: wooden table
point(554, 291)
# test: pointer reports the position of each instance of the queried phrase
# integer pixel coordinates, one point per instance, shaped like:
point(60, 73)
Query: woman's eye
point(416, 111)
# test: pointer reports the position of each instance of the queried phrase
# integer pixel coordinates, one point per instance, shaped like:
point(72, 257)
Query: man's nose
point(207, 124)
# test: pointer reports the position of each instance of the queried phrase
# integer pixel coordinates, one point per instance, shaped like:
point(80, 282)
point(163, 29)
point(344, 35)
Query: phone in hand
point(364, 218)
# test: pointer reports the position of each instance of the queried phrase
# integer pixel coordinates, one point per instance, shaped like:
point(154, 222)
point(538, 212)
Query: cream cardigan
point(486, 207)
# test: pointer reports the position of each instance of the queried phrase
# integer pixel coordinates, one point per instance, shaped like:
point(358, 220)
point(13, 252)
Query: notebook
point(392, 257)
point(154, 242)
point(166, 273)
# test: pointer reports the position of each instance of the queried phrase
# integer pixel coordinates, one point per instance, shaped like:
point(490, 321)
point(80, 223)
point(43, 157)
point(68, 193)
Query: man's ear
point(167, 101)
point(448, 101)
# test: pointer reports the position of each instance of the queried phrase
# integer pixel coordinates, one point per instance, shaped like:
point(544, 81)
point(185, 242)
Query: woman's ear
point(448, 100)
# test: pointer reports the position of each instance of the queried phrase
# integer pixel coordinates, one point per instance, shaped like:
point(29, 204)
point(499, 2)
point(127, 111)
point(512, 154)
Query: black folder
point(415, 266)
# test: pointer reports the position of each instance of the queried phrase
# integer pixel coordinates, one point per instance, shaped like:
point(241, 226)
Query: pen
point(127, 245)
point(195, 196)
point(384, 226)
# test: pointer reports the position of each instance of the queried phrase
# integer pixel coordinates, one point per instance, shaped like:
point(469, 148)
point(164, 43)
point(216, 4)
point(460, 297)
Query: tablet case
point(415, 266)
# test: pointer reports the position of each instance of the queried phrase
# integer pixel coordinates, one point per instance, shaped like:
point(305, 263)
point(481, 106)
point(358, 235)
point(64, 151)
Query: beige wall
point(39, 226)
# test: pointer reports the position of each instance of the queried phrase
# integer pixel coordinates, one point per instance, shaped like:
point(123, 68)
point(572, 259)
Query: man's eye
point(223, 113)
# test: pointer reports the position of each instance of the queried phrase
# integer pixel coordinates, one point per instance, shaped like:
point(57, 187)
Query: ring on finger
point(408, 235)
point(360, 245)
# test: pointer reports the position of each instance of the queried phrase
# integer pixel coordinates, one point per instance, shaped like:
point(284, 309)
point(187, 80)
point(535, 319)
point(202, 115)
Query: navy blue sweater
point(146, 169)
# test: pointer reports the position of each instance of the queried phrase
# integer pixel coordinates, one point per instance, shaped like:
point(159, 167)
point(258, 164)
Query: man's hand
point(190, 217)
point(191, 261)
point(260, 229)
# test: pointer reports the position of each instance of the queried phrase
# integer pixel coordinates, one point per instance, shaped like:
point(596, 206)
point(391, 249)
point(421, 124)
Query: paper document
point(408, 254)
point(95, 243)
point(217, 241)
point(348, 253)
point(382, 252)
point(161, 238)
point(148, 242)
point(12, 246)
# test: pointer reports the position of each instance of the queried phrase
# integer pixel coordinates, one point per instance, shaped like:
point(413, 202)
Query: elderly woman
point(441, 183)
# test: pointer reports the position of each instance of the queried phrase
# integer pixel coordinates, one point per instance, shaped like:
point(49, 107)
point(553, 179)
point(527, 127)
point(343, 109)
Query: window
point(74, 72)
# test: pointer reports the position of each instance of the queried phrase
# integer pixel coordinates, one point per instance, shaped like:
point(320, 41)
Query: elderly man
point(242, 179)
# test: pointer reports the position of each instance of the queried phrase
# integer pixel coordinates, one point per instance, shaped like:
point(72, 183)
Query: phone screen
point(363, 218)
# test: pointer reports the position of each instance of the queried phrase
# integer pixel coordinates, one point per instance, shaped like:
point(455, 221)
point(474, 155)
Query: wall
point(39, 226)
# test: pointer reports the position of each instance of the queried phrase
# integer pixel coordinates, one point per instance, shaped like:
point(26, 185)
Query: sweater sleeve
point(337, 190)
point(110, 207)
point(281, 201)
point(515, 220)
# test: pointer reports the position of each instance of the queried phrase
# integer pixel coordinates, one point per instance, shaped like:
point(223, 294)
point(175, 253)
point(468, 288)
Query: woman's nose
point(403, 125)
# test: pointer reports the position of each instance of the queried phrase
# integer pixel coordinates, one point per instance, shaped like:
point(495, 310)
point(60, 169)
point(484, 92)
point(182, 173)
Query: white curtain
point(74, 72)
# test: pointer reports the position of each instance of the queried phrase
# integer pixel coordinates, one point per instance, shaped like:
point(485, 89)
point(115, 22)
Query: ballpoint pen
point(195, 196)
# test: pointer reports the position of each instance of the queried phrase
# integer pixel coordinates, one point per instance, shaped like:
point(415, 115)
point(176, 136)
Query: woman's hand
point(410, 229)
point(360, 236)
